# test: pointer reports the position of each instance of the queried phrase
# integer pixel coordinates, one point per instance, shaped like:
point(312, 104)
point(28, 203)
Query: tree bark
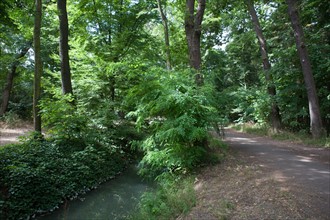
point(314, 109)
point(64, 47)
point(193, 31)
point(37, 67)
point(10, 78)
point(275, 117)
point(166, 35)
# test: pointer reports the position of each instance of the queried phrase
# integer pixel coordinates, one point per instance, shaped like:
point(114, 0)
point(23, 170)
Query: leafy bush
point(84, 147)
point(36, 176)
point(80, 125)
point(11, 119)
point(251, 105)
point(176, 116)
point(63, 119)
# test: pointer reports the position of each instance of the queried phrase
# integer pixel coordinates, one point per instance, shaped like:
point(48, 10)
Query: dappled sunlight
point(297, 165)
point(198, 186)
point(284, 189)
point(10, 136)
point(304, 159)
point(279, 176)
point(242, 139)
point(321, 171)
point(11, 132)
point(8, 139)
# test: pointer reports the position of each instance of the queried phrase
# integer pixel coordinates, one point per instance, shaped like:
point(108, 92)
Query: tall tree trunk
point(193, 31)
point(275, 117)
point(314, 109)
point(64, 47)
point(166, 35)
point(10, 78)
point(37, 67)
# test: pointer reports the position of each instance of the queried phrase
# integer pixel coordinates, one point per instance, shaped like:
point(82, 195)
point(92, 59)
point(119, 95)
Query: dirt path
point(9, 135)
point(265, 179)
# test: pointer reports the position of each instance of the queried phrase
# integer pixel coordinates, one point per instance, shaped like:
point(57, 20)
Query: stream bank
point(115, 199)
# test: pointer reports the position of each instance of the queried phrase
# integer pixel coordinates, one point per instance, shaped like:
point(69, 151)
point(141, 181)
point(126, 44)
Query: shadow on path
point(307, 168)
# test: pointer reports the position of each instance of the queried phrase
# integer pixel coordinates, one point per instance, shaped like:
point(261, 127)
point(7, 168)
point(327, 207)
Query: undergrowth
point(177, 117)
point(37, 175)
point(174, 196)
point(87, 146)
point(12, 120)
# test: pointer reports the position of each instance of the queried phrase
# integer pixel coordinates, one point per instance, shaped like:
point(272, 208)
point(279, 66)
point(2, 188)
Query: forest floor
point(264, 179)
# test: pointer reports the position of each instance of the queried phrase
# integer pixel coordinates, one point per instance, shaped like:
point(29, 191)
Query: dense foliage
point(101, 46)
point(177, 117)
point(38, 175)
point(174, 197)
point(125, 99)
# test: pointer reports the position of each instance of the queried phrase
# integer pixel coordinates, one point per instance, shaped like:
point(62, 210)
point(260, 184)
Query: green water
point(115, 199)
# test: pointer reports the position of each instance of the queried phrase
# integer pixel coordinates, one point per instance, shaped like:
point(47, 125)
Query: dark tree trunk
point(64, 47)
point(112, 84)
point(314, 109)
point(193, 31)
point(166, 36)
point(37, 67)
point(10, 78)
point(275, 117)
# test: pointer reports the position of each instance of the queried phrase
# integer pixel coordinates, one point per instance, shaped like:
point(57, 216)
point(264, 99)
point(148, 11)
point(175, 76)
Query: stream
point(115, 199)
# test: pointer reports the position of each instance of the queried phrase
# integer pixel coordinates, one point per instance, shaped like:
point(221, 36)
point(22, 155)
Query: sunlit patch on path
point(10, 135)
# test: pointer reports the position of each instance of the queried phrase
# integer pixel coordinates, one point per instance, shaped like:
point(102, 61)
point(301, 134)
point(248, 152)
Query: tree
point(275, 112)
point(10, 78)
point(64, 47)
point(15, 39)
point(314, 109)
point(193, 29)
point(37, 66)
point(166, 35)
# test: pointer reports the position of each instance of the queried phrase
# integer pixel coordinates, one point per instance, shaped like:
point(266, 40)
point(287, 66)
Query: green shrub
point(63, 120)
point(36, 176)
point(177, 116)
point(250, 105)
point(11, 119)
point(173, 197)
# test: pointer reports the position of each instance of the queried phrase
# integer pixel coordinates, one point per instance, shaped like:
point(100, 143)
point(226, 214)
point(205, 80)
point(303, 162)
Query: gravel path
point(307, 167)
point(265, 179)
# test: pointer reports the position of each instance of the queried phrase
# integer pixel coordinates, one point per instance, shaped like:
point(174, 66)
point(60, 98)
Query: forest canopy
point(244, 52)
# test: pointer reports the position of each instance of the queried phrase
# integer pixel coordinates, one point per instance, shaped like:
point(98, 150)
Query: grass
point(174, 197)
point(251, 129)
point(299, 138)
point(12, 120)
point(222, 212)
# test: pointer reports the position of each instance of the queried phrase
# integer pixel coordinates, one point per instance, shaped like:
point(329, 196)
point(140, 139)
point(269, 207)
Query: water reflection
point(112, 200)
